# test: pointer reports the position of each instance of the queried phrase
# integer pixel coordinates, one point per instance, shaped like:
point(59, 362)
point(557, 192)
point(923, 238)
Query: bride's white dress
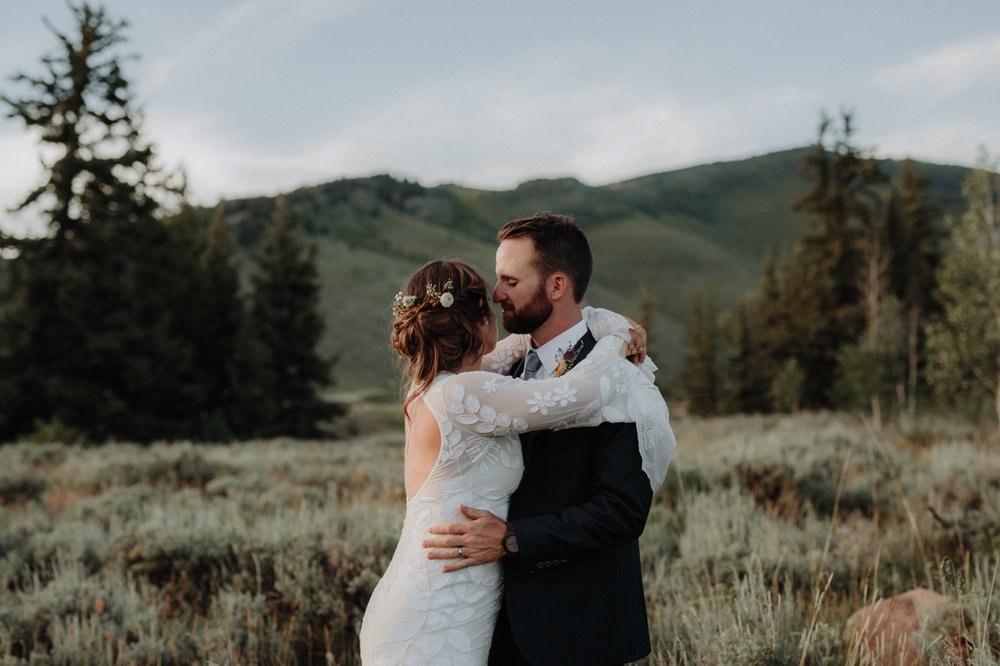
point(418, 615)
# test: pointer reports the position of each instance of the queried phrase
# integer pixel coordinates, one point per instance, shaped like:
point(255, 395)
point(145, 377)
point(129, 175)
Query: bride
point(462, 422)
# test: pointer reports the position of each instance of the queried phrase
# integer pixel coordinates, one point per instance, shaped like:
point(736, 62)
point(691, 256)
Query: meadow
point(769, 532)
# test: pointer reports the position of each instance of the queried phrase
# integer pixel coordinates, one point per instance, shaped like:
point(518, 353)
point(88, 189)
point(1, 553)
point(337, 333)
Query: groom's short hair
point(560, 246)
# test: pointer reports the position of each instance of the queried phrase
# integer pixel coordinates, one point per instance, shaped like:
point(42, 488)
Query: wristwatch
point(510, 541)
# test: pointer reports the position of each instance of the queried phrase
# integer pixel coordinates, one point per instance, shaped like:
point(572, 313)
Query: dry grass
point(768, 534)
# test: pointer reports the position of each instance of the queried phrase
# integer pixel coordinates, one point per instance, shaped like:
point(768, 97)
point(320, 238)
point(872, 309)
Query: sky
point(264, 96)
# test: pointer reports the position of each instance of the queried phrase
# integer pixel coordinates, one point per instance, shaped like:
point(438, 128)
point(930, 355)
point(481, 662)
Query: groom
point(572, 580)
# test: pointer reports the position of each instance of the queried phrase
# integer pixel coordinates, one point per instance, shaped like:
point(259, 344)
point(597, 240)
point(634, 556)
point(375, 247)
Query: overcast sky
point(262, 96)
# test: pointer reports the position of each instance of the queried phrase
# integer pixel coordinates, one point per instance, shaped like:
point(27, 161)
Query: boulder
point(884, 630)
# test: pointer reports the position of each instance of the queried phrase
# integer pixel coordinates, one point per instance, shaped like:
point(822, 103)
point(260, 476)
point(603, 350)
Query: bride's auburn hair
point(434, 338)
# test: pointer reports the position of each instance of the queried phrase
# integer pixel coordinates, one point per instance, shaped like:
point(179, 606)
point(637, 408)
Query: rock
point(885, 629)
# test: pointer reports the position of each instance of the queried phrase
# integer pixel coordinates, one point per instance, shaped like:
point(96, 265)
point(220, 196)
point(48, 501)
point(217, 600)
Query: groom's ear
point(558, 286)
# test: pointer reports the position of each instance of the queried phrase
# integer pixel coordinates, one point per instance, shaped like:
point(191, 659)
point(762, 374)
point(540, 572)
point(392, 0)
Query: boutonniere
point(566, 362)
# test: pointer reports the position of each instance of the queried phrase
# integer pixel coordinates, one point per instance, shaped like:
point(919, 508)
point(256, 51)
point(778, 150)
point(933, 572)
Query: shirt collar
point(552, 351)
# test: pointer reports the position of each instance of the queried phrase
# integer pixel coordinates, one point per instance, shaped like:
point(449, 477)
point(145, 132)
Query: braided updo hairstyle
point(434, 338)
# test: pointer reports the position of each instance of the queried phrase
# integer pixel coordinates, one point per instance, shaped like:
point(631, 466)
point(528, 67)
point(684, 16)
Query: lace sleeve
point(603, 322)
point(591, 393)
point(507, 352)
point(604, 387)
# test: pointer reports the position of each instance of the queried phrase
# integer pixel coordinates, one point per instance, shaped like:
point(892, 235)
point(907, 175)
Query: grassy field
point(768, 534)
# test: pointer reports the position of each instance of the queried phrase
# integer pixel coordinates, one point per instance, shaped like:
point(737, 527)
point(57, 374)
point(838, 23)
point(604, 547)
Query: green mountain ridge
point(674, 233)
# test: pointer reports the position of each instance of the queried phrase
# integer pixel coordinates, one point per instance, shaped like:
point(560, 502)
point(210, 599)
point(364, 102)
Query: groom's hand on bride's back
point(480, 539)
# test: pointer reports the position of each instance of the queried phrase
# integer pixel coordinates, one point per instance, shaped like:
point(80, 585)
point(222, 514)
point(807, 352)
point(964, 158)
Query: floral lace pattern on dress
point(418, 615)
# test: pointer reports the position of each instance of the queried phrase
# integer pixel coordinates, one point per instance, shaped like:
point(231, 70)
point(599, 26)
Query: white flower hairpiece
point(446, 298)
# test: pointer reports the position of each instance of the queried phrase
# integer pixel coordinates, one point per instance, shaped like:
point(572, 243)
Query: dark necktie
point(531, 364)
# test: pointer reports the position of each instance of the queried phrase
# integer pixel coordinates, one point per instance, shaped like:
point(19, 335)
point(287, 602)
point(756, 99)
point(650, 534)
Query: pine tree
point(744, 383)
point(801, 318)
point(870, 368)
point(874, 286)
point(786, 389)
point(92, 339)
point(768, 321)
point(843, 202)
point(288, 324)
point(82, 108)
point(216, 320)
point(964, 343)
point(914, 236)
point(700, 374)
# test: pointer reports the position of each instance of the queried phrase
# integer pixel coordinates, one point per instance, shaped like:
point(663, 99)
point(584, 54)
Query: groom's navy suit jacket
point(574, 594)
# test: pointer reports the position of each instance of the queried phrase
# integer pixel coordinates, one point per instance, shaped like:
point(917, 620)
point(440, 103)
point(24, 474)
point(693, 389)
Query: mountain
point(675, 233)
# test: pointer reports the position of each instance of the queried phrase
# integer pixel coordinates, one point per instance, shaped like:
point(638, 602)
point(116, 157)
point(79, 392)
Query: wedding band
point(460, 551)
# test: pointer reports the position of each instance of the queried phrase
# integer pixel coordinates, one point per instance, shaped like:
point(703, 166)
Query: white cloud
point(493, 137)
point(220, 164)
point(488, 135)
point(940, 142)
point(948, 70)
point(248, 29)
point(496, 137)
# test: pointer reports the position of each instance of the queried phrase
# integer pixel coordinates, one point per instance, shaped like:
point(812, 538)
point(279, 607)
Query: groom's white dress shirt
point(552, 351)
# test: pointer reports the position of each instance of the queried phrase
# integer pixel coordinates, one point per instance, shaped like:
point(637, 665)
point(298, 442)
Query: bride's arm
point(599, 321)
point(507, 352)
point(592, 392)
point(603, 322)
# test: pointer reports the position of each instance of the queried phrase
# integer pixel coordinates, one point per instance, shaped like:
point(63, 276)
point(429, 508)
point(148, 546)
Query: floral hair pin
point(445, 297)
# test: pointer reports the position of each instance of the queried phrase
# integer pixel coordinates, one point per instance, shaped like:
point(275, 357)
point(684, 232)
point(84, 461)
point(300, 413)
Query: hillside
point(677, 233)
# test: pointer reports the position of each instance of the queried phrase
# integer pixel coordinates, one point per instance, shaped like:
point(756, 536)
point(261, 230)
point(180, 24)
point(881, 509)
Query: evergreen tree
point(82, 108)
point(225, 320)
point(768, 321)
point(801, 318)
point(92, 339)
point(216, 320)
point(700, 374)
point(288, 325)
point(964, 343)
point(871, 368)
point(786, 389)
point(842, 202)
point(914, 236)
point(744, 383)
point(876, 343)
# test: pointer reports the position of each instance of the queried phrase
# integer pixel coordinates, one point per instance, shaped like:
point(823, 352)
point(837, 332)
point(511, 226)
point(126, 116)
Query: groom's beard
point(530, 317)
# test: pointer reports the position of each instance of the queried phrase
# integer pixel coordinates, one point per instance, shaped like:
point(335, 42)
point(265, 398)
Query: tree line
point(883, 304)
point(128, 319)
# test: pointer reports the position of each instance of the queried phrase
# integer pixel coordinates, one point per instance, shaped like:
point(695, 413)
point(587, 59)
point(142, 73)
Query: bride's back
point(423, 445)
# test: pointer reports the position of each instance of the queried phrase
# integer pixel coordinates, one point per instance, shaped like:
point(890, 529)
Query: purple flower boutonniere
point(566, 363)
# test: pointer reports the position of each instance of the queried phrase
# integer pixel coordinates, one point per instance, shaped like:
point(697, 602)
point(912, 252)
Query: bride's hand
point(637, 345)
point(603, 323)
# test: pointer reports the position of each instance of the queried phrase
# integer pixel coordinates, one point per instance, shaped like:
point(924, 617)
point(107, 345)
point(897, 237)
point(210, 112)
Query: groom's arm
point(614, 514)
